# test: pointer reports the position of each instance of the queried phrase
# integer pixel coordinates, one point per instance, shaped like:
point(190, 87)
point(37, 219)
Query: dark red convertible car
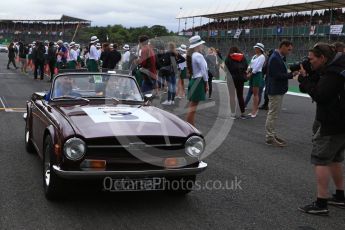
point(100, 126)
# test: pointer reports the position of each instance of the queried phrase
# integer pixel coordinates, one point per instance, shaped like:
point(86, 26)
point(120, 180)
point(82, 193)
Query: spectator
point(264, 106)
point(11, 56)
point(114, 57)
point(183, 72)
point(62, 54)
point(92, 63)
point(174, 59)
point(236, 66)
point(23, 52)
point(339, 47)
point(147, 62)
point(38, 58)
point(255, 76)
point(72, 56)
point(213, 68)
point(126, 58)
point(198, 84)
point(277, 77)
point(51, 57)
point(104, 58)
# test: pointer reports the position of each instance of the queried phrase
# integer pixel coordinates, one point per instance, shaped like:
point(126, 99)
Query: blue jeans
point(171, 87)
point(250, 94)
point(148, 86)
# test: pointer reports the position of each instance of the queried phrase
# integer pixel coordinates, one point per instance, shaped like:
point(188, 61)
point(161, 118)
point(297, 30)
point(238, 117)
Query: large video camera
point(305, 63)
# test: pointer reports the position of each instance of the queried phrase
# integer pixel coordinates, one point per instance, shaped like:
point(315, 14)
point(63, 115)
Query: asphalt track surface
point(274, 182)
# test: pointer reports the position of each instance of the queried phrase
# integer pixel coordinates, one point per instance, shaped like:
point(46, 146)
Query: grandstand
point(243, 23)
point(41, 28)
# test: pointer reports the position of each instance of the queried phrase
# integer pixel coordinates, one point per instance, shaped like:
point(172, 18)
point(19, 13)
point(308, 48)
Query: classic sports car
point(100, 126)
point(3, 49)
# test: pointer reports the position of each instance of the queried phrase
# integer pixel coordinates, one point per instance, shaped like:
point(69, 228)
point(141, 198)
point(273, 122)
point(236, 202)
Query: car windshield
point(95, 86)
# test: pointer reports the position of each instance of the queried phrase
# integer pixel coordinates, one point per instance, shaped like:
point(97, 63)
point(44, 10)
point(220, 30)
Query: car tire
point(51, 182)
point(28, 143)
point(181, 185)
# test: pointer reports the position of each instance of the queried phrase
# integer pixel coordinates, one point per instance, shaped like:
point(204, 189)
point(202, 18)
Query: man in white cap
point(92, 64)
point(126, 57)
point(72, 56)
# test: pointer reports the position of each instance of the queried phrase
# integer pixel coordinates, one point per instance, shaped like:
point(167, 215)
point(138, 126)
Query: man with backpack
point(326, 86)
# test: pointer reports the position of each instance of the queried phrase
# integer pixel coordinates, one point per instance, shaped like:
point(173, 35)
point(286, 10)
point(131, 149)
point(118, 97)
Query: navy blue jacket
point(277, 75)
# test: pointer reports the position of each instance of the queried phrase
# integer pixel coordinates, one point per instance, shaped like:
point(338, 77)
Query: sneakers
point(252, 115)
point(335, 202)
point(263, 107)
point(243, 116)
point(274, 142)
point(314, 209)
point(283, 142)
point(166, 102)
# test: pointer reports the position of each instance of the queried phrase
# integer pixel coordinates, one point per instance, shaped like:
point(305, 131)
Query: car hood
point(96, 121)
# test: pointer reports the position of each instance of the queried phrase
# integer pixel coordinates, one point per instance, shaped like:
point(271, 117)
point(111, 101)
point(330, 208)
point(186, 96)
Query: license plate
point(126, 185)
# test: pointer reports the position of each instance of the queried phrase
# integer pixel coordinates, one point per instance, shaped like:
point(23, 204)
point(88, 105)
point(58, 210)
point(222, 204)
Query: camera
point(305, 63)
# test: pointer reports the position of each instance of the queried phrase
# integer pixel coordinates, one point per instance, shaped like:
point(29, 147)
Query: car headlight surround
point(195, 146)
point(74, 149)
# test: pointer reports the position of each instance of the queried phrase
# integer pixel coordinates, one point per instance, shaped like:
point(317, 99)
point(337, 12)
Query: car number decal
point(116, 114)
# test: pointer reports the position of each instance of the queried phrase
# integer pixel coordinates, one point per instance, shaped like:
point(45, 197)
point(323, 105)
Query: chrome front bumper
point(121, 174)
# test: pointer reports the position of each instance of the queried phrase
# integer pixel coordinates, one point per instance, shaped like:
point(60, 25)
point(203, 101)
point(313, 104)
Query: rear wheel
point(181, 185)
point(51, 182)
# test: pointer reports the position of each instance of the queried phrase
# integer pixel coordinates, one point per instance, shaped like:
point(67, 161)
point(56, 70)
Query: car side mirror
point(38, 96)
point(148, 97)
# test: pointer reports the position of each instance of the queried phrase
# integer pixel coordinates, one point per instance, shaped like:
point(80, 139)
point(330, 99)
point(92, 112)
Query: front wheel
point(51, 182)
point(28, 143)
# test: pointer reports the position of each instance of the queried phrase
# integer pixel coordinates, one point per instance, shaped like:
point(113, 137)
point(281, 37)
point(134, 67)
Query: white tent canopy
point(240, 8)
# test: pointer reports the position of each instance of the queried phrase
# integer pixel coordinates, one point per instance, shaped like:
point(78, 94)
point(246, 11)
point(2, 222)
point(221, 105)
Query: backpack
point(164, 62)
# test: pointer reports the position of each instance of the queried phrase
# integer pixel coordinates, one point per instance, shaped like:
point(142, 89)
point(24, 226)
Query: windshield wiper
point(71, 97)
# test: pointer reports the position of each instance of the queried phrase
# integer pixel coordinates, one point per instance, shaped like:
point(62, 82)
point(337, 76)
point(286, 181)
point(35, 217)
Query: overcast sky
point(109, 12)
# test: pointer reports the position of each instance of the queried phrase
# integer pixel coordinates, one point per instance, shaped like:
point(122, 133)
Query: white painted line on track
point(288, 93)
point(3, 104)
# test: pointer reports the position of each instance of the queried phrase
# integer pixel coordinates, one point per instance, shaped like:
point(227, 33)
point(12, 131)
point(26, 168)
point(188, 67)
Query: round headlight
point(195, 146)
point(74, 149)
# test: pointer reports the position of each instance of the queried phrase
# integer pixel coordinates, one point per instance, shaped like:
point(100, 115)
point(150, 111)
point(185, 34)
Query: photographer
point(326, 86)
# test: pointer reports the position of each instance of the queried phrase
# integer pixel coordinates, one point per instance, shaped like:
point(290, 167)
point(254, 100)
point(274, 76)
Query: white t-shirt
point(257, 63)
point(73, 55)
point(126, 56)
point(199, 66)
point(93, 53)
point(183, 65)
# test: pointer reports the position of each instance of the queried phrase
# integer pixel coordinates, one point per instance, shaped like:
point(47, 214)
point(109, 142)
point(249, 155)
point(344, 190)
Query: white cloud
point(108, 12)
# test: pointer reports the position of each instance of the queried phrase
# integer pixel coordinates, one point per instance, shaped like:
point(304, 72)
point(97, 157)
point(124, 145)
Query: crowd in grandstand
point(298, 19)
